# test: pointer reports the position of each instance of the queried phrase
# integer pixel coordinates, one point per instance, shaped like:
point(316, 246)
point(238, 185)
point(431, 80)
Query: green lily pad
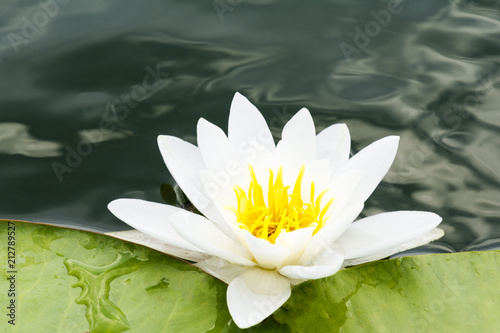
point(67, 280)
point(75, 281)
point(457, 292)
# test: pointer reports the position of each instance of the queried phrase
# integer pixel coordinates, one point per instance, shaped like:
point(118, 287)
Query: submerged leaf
point(168, 194)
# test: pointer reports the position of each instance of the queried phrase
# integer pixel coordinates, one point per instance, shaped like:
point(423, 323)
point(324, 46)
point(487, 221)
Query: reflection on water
point(15, 139)
point(86, 88)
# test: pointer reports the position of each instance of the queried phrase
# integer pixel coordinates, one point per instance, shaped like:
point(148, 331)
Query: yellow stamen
point(283, 211)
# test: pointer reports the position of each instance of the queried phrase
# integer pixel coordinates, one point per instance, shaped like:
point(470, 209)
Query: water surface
point(118, 73)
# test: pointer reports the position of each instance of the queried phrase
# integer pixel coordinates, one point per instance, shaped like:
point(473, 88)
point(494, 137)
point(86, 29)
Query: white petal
point(381, 232)
point(138, 237)
point(375, 160)
point(220, 187)
point(247, 128)
point(255, 295)
point(184, 162)
point(296, 241)
point(153, 219)
point(298, 141)
point(267, 255)
point(342, 188)
point(205, 235)
point(215, 148)
point(319, 173)
point(222, 269)
point(334, 144)
point(432, 235)
point(328, 265)
point(327, 235)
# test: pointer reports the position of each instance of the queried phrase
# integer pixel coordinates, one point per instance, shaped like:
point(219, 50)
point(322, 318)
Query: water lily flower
point(275, 215)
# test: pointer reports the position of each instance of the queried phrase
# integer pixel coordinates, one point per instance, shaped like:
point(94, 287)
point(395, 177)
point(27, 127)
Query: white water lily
point(275, 215)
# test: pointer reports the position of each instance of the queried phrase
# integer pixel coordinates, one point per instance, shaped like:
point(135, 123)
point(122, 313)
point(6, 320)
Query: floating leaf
point(457, 292)
point(75, 281)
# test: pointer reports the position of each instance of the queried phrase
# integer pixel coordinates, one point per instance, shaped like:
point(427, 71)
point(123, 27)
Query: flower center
point(282, 212)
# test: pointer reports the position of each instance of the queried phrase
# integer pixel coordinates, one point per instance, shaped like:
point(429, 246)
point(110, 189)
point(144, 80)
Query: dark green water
point(118, 73)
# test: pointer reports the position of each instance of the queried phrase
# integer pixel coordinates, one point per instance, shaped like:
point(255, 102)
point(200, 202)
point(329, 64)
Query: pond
point(86, 88)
